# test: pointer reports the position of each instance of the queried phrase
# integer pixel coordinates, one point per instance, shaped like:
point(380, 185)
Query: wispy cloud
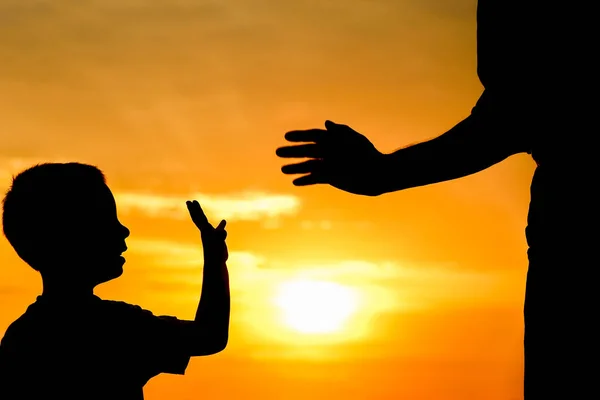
point(174, 254)
point(250, 206)
point(244, 205)
point(394, 284)
point(11, 166)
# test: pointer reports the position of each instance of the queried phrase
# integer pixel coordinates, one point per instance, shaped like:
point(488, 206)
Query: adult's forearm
point(455, 154)
point(489, 135)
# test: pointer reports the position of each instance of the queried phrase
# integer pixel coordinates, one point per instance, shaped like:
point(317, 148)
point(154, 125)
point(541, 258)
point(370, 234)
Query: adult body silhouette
point(537, 75)
point(70, 344)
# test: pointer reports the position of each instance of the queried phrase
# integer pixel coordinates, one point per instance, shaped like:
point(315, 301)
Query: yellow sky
point(189, 99)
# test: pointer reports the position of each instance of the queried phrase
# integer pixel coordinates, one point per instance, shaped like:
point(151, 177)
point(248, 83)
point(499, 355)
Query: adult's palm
point(338, 156)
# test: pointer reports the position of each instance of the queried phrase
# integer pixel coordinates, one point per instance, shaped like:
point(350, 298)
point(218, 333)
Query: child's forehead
point(103, 196)
point(97, 197)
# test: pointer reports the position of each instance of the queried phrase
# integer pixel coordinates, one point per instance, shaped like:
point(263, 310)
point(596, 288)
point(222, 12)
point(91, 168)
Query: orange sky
point(189, 99)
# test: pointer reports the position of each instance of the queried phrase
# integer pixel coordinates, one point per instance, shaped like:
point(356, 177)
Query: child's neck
point(66, 290)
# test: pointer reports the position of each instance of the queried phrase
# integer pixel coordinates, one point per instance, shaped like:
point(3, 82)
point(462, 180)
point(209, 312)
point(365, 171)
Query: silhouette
point(69, 344)
point(537, 78)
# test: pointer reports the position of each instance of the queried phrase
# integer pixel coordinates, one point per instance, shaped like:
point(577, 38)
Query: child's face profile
point(94, 238)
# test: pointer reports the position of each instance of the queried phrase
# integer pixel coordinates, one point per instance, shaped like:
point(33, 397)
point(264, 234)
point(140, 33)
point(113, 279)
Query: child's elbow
point(214, 345)
point(219, 344)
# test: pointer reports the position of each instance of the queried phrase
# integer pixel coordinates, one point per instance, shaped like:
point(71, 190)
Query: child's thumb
point(221, 225)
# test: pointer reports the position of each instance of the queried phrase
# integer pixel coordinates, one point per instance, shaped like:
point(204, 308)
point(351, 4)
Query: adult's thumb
point(330, 124)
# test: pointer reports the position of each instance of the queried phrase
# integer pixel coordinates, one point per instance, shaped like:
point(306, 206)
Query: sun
point(316, 307)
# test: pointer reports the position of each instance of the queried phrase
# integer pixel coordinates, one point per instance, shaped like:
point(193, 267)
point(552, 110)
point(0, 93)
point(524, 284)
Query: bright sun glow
point(313, 307)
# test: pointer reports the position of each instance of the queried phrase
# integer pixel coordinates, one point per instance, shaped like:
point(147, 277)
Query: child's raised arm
point(210, 328)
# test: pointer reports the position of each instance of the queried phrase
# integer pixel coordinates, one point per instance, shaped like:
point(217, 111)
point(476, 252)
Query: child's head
point(61, 219)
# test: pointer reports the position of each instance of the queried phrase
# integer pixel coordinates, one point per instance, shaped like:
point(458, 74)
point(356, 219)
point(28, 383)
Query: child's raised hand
point(213, 239)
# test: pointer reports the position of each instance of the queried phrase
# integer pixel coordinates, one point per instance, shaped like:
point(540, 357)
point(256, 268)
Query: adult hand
point(338, 156)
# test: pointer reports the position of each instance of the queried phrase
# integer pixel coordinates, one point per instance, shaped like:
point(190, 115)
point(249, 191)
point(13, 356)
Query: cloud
point(176, 265)
point(167, 253)
point(245, 206)
point(392, 284)
point(249, 206)
point(11, 166)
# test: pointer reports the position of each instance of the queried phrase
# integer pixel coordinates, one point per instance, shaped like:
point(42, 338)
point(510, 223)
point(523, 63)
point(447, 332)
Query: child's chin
point(112, 274)
point(112, 271)
point(117, 273)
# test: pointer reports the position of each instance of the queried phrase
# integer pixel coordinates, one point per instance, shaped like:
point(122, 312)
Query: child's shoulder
point(117, 304)
point(122, 307)
point(22, 327)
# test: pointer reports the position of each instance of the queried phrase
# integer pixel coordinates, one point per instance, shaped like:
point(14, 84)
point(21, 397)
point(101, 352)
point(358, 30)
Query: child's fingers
point(197, 215)
point(220, 230)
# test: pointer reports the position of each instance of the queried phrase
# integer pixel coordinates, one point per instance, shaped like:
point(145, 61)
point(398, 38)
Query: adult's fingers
point(301, 151)
point(306, 167)
point(306, 135)
point(331, 125)
point(311, 179)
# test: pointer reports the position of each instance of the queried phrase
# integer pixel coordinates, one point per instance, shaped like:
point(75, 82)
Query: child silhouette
point(61, 219)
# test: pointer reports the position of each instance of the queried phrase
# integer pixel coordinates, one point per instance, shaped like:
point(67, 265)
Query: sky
point(413, 295)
